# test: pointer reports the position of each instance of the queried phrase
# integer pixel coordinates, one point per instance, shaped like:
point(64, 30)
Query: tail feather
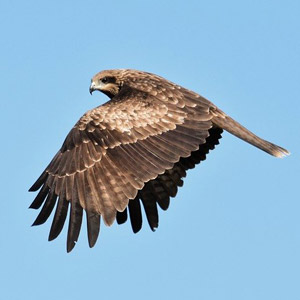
point(222, 120)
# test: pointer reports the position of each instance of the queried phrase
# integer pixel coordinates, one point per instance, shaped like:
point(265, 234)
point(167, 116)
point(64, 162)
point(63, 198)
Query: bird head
point(107, 82)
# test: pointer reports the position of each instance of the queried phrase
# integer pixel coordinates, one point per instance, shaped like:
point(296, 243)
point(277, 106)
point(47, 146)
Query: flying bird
point(132, 151)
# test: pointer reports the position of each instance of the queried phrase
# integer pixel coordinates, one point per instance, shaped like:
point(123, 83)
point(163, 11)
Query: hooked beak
point(92, 88)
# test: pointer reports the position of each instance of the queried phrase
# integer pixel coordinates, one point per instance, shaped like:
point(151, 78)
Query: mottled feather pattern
point(135, 148)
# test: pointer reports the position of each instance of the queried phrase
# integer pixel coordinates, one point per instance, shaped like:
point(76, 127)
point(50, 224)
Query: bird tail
point(222, 120)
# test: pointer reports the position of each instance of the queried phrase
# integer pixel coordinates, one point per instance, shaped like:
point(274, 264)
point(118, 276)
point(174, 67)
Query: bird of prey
point(134, 149)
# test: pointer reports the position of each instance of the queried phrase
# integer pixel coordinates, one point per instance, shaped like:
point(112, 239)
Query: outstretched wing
point(118, 151)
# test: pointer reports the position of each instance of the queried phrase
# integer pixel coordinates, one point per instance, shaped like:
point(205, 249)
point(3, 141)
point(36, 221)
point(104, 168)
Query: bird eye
point(104, 79)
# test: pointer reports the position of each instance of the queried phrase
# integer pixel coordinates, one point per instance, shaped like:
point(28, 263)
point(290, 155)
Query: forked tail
point(222, 120)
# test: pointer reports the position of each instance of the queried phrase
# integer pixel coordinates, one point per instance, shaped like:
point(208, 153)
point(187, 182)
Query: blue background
point(233, 231)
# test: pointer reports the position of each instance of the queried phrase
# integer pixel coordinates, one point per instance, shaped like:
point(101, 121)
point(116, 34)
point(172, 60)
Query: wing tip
point(92, 243)
point(93, 227)
point(36, 223)
point(39, 182)
point(70, 246)
point(51, 237)
point(154, 227)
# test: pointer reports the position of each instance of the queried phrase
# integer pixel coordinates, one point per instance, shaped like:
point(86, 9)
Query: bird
point(131, 152)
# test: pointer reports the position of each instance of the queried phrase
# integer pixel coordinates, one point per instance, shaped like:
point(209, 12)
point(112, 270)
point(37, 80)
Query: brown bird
point(135, 148)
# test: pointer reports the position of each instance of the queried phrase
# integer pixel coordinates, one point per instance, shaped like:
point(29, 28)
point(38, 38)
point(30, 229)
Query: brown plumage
point(133, 150)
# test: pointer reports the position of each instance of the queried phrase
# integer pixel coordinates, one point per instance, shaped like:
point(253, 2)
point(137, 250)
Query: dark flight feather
point(40, 181)
point(41, 196)
point(149, 203)
point(122, 216)
point(74, 225)
point(59, 218)
point(46, 209)
point(93, 227)
point(135, 213)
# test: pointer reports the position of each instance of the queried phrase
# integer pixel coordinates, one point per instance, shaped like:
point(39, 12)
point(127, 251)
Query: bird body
point(134, 149)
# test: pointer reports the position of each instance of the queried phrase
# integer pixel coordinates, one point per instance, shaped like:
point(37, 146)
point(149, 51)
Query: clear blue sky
point(233, 231)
